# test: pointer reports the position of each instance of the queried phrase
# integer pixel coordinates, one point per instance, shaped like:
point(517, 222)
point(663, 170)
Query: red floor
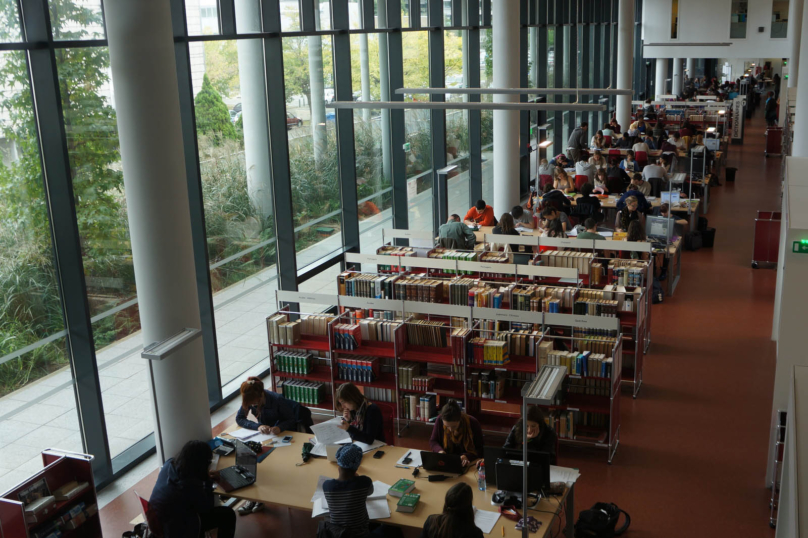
point(693, 445)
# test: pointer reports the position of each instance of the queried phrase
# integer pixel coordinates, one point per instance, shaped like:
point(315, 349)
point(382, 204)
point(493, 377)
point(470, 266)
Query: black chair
point(658, 186)
point(448, 242)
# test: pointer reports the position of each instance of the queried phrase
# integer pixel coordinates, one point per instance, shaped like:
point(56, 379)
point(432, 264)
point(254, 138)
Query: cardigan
point(436, 440)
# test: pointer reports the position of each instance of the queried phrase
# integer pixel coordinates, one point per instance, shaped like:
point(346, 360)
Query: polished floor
point(693, 445)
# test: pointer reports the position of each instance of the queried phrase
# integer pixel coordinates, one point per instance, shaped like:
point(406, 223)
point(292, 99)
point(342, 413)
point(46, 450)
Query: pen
point(401, 467)
point(503, 530)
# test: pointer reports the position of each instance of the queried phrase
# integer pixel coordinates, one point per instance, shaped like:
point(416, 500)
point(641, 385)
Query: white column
point(144, 74)
point(506, 29)
point(799, 148)
point(364, 65)
point(691, 68)
point(625, 60)
point(253, 107)
point(384, 88)
point(676, 86)
point(660, 85)
point(794, 37)
point(317, 92)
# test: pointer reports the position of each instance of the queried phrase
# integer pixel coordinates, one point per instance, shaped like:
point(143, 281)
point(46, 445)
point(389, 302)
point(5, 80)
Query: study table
point(281, 482)
point(610, 203)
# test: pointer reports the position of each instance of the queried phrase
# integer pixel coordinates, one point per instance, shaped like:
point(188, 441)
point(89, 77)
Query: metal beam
point(514, 91)
point(475, 116)
point(437, 78)
point(421, 105)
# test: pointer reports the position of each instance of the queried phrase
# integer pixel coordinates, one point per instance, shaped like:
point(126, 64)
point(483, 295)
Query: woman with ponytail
point(457, 433)
point(457, 519)
point(275, 413)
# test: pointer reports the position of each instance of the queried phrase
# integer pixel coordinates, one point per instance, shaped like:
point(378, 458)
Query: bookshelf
point(73, 517)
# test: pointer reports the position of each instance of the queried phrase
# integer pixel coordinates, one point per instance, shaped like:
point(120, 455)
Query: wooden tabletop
point(282, 483)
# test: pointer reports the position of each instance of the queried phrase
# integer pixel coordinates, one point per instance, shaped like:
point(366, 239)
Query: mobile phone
point(287, 439)
point(378, 454)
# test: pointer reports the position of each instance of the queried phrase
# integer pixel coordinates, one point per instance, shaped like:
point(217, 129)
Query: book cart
point(74, 514)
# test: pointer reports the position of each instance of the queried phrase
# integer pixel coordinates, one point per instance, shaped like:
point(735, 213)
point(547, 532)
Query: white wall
point(738, 65)
point(708, 21)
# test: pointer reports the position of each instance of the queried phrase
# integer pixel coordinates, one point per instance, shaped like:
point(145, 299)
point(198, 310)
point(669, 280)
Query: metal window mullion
point(475, 116)
point(457, 13)
point(368, 15)
point(44, 78)
point(196, 203)
point(542, 82)
point(395, 64)
point(586, 60)
point(227, 17)
point(486, 12)
point(415, 13)
point(306, 8)
point(437, 79)
point(279, 148)
point(573, 64)
point(346, 151)
point(558, 76)
point(524, 115)
point(606, 63)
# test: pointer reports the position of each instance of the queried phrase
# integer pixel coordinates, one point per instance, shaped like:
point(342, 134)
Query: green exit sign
point(406, 147)
point(800, 247)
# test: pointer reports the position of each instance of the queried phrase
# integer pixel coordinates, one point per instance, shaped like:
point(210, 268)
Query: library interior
point(260, 274)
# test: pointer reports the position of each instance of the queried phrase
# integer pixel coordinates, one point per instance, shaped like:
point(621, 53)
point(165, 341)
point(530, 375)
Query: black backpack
point(658, 293)
point(692, 240)
point(600, 522)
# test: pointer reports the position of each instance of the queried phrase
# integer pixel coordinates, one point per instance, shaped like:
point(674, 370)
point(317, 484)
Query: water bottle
point(481, 476)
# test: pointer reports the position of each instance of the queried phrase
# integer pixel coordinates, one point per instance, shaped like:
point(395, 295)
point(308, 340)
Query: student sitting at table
point(629, 164)
point(591, 232)
point(597, 141)
point(659, 130)
point(638, 126)
point(458, 232)
point(636, 233)
point(654, 170)
point(624, 142)
point(552, 228)
point(617, 176)
point(540, 438)
point(615, 126)
point(649, 141)
point(584, 168)
point(640, 145)
point(457, 433)
point(628, 214)
point(362, 419)
point(550, 214)
point(562, 181)
point(601, 180)
point(275, 414)
point(597, 160)
point(553, 197)
point(648, 110)
point(676, 140)
point(506, 226)
point(182, 499)
point(347, 495)
point(560, 160)
point(607, 130)
point(638, 184)
point(586, 199)
point(522, 217)
point(545, 168)
point(457, 519)
point(664, 211)
point(481, 214)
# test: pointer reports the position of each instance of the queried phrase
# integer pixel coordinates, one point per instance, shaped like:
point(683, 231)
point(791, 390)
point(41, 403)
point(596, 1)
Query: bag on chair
point(600, 521)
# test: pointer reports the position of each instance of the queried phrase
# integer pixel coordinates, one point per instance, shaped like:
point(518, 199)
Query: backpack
point(600, 521)
point(693, 240)
point(326, 529)
point(658, 293)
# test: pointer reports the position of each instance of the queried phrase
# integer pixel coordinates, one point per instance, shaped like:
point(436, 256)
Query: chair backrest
point(580, 179)
point(545, 179)
point(149, 517)
point(657, 185)
point(607, 140)
point(388, 415)
point(448, 242)
point(641, 156)
point(615, 153)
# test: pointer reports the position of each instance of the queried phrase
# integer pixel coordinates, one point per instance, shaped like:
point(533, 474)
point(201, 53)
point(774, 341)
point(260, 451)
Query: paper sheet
point(367, 448)
point(378, 508)
point(319, 450)
point(318, 491)
point(261, 437)
point(379, 490)
point(214, 462)
point(243, 434)
point(328, 432)
point(416, 459)
point(485, 520)
point(319, 508)
point(563, 474)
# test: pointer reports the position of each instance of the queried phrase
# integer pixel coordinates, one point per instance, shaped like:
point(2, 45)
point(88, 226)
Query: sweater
point(544, 442)
point(177, 502)
point(372, 427)
point(436, 440)
point(347, 504)
point(276, 410)
point(483, 218)
point(458, 231)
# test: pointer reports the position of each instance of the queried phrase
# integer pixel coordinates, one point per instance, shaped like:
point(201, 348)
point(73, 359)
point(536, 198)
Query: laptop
point(442, 463)
point(243, 473)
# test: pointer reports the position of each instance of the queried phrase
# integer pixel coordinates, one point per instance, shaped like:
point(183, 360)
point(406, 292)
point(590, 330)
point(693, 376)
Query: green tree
point(212, 117)
point(221, 65)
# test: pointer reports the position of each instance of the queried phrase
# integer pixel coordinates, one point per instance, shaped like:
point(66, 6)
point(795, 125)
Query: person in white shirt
point(641, 146)
point(677, 141)
point(583, 168)
point(654, 170)
point(597, 141)
point(607, 130)
point(597, 160)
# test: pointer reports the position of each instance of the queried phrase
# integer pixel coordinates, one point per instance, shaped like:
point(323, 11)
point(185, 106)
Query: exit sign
point(800, 247)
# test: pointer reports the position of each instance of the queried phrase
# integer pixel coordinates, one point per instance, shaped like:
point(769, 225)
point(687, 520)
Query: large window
point(674, 19)
point(455, 42)
point(738, 14)
point(779, 19)
point(487, 116)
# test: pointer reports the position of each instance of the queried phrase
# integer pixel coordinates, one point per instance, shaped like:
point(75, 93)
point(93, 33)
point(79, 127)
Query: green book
point(401, 488)
point(408, 502)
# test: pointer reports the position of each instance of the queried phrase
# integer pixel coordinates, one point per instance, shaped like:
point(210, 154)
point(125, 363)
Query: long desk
point(282, 483)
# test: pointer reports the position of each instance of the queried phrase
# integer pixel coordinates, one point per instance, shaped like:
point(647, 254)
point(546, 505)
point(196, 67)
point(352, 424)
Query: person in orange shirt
point(481, 214)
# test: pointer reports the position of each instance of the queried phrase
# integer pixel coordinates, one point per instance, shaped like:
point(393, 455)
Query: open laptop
point(442, 463)
point(243, 473)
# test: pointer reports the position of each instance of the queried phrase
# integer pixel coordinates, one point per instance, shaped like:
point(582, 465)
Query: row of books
point(596, 275)
point(489, 385)
point(594, 387)
point(566, 258)
point(355, 314)
point(441, 370)
point(627, 300)
point(377, 394)
point(567, 425)
point(389, 250)
point(596, 307)
point(450, 254)
point(624, 271)
point(415, 288)
point(315, 325)
point(585, 363)
point(490, 352)
point(538, 298)
point(294, 362)
point(358, 369)
point(596, 344)
point(421, 332)
point(409, 377)
point(461, 353)
point(459, 291)
point(418, 407)
point(305, 392)
point(371, 285)
point(347, 336)
point(282, 331)
point(68, 520)
point(377, 330)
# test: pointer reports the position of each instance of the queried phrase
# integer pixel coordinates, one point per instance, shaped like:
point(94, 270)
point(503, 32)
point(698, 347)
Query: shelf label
point(572, 409)
point(298, 297)
point(500, 401)
point(431, 393)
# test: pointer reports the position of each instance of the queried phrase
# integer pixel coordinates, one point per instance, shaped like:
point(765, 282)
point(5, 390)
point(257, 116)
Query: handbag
point(600, 521)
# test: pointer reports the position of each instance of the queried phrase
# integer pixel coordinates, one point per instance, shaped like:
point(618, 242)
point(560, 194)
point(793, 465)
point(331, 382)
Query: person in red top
point(481, 214)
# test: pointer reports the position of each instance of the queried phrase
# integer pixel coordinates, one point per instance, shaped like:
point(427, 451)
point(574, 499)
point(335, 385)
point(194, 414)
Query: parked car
point(292, 121)
point(237, 107)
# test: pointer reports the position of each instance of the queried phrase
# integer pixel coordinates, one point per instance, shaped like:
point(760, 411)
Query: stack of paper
point(329, 432)
point(485, 520)
point(243, 434)
point(563, 474)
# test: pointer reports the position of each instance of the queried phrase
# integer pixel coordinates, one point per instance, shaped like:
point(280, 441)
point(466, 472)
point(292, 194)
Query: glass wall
point(738, 13)
point(455, 43)
point(487, 116)
point(779, 19)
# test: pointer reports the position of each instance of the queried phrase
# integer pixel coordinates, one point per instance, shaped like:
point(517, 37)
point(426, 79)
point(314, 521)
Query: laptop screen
point(246, 458)
point(668, 197)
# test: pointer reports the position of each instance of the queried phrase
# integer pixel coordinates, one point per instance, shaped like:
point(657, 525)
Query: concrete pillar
point(506, 29)
point(800, 146)
point(625, 60)
point(661, 83)
point(676, 85)
point(794, 37)
point(691, 68)
point(464, 36)
point(384, 85)
point(364, 63)
point(317, 92)
point(144, 74)
point(254, 107)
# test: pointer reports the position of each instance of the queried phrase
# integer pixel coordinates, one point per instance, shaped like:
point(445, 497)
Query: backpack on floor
point(600, 522)
point(658, 293)
point(702, 224)
point(692, 240)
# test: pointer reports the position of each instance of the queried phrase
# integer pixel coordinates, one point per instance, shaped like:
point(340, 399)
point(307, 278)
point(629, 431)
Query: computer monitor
point(669, 197)
point(494, 454)
point(510, 477)
point(659, 228)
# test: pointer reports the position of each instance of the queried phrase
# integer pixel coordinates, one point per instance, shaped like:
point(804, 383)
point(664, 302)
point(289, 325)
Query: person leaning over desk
point(540, 437)
point(457, 433)
point(182, 499)
point(522, 217)
point(275, 413)
point(638, 184)
point(362, 419)
point(586, 198)
point(458, 231)
point(347, 495)
point(457, 519)
point(629, 213)
point(591, 232)
point(481, 214)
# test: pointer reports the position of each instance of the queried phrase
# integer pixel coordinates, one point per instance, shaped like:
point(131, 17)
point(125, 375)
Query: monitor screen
point(494, 455)
point(509, 477)
point(669, 197)
point(659, 227)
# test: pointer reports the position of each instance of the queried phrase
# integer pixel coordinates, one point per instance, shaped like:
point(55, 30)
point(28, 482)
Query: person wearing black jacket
point(362, 419)
point(275, 413)
point(182, 500)
point(586, 199)
point(540, 437)
point(555, 198)
point(457, 519)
